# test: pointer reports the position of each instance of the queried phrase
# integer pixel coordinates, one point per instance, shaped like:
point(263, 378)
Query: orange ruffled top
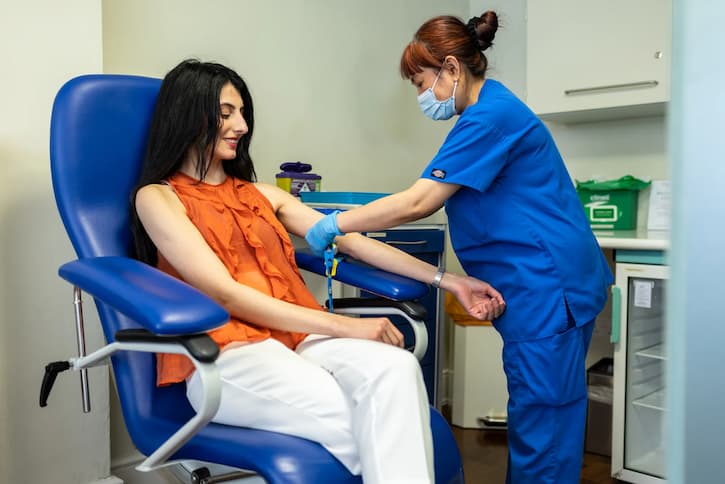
point(240, 226)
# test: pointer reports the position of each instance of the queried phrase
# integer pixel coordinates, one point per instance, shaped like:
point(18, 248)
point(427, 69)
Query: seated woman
point(286, 364)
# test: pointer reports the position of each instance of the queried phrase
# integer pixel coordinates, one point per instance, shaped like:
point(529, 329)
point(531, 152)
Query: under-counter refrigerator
point(638, 332)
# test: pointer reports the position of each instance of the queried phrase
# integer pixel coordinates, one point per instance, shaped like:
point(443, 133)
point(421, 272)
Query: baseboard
point(445, 387)
point(127, 461)
point(108, 480)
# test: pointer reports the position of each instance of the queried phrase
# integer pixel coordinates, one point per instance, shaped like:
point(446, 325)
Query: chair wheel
point(200, 476)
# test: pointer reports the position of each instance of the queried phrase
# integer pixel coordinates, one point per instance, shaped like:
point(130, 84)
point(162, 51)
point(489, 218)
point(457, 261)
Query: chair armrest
point(159, 302)
point(365, 277)
point(200, 346)
point(412, 309)
point(413, 312)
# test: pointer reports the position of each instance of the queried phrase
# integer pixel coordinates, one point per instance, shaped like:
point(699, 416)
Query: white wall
point(323, 74)
point(507, 56)
point(43, 43)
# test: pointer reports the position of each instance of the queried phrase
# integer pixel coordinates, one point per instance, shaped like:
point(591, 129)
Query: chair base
point(196, 472)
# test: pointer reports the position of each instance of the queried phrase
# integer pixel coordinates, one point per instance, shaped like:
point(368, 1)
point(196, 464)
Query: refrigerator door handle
point(616, 314)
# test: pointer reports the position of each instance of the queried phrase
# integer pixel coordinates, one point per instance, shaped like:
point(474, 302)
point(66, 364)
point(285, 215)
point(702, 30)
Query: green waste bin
point(611, 204)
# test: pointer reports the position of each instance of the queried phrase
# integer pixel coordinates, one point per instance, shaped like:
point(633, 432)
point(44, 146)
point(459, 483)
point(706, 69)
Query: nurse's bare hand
point(376, 329)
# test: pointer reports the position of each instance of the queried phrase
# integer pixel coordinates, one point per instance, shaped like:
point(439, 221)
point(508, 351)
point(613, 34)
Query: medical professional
point(516, 222)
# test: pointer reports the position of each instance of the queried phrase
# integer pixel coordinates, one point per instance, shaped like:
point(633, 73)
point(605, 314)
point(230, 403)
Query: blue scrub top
point(516, 222)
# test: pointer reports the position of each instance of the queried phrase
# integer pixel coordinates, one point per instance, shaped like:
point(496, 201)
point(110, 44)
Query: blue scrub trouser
point(547, 407)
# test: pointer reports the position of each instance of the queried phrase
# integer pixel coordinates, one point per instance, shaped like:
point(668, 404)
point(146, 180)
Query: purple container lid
point(301, 176)
point(295, 166)
point(297, 169)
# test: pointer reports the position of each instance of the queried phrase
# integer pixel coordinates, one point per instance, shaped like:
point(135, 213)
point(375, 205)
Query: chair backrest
point(98, 138)
point(98, 134)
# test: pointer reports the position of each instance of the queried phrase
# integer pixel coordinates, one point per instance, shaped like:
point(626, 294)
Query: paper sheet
point(643, 294)
point(660, 201)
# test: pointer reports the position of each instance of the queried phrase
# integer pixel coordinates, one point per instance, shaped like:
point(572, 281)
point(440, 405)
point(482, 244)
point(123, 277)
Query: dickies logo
point(438, 173)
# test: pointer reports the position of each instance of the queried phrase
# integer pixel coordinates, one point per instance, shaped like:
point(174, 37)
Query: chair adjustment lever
point(51, 371)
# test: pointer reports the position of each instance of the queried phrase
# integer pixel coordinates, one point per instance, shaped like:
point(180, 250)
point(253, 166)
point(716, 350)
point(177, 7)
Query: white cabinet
point(589, 60)
point(639, 409)
point(479, 383)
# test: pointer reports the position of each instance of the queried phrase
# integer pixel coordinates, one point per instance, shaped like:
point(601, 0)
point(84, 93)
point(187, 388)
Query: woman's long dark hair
point(185, 122)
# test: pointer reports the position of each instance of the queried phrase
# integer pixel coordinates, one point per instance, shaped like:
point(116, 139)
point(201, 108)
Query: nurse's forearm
point(423, 198)
point(384, 213)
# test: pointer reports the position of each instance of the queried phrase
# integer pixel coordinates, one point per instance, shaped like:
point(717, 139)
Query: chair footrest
point(200, 346)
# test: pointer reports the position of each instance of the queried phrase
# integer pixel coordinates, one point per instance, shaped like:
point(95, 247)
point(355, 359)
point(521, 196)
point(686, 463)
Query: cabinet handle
point(611, 87)
point(616, 314)
point(406, 242)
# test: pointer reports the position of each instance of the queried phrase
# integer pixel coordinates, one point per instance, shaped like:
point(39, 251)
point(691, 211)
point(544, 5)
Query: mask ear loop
point(438, 76)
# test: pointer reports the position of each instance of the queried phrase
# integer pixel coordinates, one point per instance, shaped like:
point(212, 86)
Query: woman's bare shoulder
point(275, 195)
point(155, 195)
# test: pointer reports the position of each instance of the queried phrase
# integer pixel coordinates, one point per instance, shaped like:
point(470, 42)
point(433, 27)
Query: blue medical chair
point(98, 135)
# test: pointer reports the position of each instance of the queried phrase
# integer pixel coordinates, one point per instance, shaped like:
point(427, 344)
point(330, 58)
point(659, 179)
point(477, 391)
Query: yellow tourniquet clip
point(330, 270)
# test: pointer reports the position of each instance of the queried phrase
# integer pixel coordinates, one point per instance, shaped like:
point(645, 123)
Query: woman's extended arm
point(418, 201)
point(480, 299)
point(183, 246)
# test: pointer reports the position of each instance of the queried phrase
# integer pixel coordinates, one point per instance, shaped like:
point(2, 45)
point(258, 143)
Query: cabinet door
point(588, 56)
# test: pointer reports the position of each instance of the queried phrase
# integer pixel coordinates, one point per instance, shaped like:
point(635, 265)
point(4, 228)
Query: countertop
point(640, 239)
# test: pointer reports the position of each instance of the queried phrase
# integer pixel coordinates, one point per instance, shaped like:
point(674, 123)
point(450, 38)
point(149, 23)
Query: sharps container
point(296, 177)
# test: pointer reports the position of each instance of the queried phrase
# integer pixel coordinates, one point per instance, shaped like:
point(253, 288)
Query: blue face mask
point(435, 109)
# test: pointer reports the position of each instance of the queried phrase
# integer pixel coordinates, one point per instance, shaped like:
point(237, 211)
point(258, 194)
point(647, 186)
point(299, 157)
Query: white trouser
point(364, 401)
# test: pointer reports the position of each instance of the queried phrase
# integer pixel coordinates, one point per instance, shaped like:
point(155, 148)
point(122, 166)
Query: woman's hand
point(376, 329)
point(477, 297)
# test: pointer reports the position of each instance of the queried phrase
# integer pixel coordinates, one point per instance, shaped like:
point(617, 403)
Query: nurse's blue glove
point(323, 233)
